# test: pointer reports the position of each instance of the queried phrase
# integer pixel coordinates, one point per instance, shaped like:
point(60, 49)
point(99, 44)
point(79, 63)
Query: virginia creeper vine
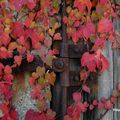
point(29, 27)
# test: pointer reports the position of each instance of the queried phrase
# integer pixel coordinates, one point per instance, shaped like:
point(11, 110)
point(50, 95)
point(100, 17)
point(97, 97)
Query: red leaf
point(36, 92)
point(89, 5)
point(65, 19)
point(91, 107)
point(30, 57)
point(75, 36)
point(18, 29)
point(95, 60)
point(83, 75)
point(21, 40)
point(77, 96)
point(67, 117)
point(31, 4)
point(88, 30)
point(76, 24)
point(55, 51)
point(70, 110)
point(105, 63)
point(18, 4)
point(89, 60)
point(81, 107)
point(21, 50)
point(32, 115)
point(36, 39)
point(18, 60)
point(31, 81)
point(74, 111)
point(3, 53)
point(14, 115)
point(7, 69)
point(10, 54)
point(102, 62)
point(108, 105)
point(112, 37)
point(57, 36)
point(45, 21)
point(86, 88)
point(48, 42)
point(1, 66)
point(95, 102)
point(100, 105)
point(5, 39)
point(99, 43)
point(42, 116)
point(103, 2)
point(86, 104)
point(81, 5)
point(105, 25)
point(76, 114)
point(27, 22)
point(8, 77)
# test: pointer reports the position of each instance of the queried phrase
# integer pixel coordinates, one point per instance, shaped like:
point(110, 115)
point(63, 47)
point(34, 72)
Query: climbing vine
point(29, 27)
point(91, 21)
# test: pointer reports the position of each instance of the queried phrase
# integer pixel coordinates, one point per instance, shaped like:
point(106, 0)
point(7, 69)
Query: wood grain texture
point(116, 72)
point(105, 82)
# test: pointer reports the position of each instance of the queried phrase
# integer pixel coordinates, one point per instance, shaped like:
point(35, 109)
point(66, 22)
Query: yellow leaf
point(7, 29)
point(8, 21)
point(57, 25)
point(51, 32)
point(49, 59)
point(68, 9)
point(35, 75)
point(33, 24)
point(40, 71)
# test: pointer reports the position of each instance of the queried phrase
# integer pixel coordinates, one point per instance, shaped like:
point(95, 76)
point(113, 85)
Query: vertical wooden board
point(116, 72)
point(105, 82)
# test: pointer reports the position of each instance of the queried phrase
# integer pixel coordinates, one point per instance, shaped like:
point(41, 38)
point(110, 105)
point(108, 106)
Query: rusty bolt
point(58, 65)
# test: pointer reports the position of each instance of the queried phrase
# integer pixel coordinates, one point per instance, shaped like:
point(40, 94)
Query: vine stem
point(102, 115)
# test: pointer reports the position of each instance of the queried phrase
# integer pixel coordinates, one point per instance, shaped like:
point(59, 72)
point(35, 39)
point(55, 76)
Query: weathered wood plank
point(105, 82)
point(116, 72)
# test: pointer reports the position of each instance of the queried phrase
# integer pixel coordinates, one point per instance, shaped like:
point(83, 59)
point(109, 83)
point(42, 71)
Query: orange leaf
point(12, 46)
point(51, 77)
point(30, 57)
point(18, 60)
